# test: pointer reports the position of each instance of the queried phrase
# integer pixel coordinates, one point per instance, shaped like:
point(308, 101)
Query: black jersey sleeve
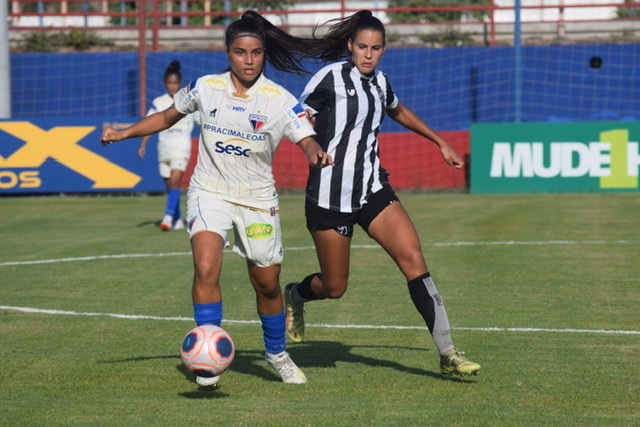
point(319, 92)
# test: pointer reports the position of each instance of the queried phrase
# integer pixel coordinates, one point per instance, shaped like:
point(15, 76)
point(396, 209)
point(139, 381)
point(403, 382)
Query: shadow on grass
point(323, 354)
point(205, 393)
point(147, 223)
point(326, 354)
point(245, 362)
point(212, 392)
point(140, 359)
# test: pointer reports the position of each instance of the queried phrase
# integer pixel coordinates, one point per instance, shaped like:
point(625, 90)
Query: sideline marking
point(305, 248)
point(319, 325)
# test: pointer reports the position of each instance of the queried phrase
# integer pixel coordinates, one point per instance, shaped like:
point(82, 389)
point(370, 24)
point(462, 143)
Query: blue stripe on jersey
point(298, 110)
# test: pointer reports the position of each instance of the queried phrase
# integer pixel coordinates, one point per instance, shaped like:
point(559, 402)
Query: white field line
point(318, 325)
point(304, 248)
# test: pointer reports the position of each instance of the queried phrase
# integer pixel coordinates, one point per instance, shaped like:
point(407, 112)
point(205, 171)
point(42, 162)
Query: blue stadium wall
point(450, 88)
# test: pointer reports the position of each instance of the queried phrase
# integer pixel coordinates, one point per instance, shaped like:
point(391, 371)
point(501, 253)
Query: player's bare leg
point(266, 283)
point(207, 264)
point(395, 232)
point(207, 297)
point(333, 251)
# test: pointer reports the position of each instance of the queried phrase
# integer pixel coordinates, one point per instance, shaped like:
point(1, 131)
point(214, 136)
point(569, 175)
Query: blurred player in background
point(174, 148)
point(349, 100)
point(243, 117)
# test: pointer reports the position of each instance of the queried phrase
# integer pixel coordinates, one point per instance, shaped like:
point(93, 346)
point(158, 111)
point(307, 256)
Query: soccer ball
point(207, 350)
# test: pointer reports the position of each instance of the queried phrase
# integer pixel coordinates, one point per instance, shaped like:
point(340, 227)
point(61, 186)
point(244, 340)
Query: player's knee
point(335, 289)
point(205, 272)
point(412, 260)
point(268, 291)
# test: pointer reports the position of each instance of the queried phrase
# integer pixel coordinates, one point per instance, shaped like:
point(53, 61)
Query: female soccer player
point(349, 100)
point(174, 149)
point(243, 117)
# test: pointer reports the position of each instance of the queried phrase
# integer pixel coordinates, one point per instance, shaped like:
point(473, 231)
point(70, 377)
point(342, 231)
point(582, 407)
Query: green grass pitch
point(542, 290)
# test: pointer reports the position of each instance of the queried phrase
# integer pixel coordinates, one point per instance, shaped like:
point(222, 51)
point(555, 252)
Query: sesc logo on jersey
point(257, 121)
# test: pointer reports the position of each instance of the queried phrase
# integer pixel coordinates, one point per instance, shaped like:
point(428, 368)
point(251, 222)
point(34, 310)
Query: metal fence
point(153, 25)
point(166, 25)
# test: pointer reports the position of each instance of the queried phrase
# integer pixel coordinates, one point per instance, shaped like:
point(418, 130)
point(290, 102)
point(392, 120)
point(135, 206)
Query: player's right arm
point(149, 125)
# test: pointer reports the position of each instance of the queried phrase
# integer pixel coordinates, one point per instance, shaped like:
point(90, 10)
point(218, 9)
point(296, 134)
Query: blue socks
point(208, 314)
point(273, 326)
point(173, 204)
point(273, 330)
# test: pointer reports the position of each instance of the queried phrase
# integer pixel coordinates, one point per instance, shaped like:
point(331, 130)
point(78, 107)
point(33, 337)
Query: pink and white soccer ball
point(207, 350)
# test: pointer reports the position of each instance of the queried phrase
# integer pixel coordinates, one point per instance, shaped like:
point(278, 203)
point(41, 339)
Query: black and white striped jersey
point(349, 108)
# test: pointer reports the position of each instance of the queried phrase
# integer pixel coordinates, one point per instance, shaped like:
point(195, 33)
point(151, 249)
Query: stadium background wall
point(451, 88)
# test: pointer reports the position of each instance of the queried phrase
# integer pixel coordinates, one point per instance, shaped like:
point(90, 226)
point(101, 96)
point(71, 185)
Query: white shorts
point(166, 166)
point(257, 233)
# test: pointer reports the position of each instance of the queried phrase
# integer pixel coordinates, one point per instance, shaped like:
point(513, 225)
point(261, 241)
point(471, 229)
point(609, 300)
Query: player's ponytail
point(284, 51)
point(332, 46)
point(173, 69)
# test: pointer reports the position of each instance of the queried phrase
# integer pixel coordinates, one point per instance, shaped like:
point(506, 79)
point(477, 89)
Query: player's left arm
point(407, 118)
point(315, 154)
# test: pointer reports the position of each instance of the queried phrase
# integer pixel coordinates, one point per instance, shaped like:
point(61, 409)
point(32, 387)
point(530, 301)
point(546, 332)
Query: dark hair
point(283, 51)
point(173, 68)
point(333, 46)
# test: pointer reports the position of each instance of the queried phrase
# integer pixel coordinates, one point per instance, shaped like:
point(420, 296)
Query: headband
point(245, 35)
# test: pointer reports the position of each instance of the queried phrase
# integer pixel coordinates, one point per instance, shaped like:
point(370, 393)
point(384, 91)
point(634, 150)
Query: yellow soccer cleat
point(456, 363)
point(294, 316)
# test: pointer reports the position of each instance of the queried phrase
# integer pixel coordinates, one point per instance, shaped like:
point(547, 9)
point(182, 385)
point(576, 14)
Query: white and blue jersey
point(239, 134)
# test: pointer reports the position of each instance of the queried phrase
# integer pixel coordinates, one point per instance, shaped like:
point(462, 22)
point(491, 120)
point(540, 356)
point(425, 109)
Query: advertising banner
point(554, 157)
point(64, 155)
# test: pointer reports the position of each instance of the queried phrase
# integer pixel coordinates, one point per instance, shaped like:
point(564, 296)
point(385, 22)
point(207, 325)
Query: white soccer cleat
point(286, 368)
point(207, 382)
point(178, 225)
point(165, 225)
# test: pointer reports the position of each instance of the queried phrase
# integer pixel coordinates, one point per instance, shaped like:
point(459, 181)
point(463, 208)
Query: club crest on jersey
point(257, 121)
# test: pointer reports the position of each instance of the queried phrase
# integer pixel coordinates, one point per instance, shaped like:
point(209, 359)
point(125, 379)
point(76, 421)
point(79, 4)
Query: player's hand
point(141, 152)
point(451, 156)
point(109, 136)
point(320, 159)
point(311, 116)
